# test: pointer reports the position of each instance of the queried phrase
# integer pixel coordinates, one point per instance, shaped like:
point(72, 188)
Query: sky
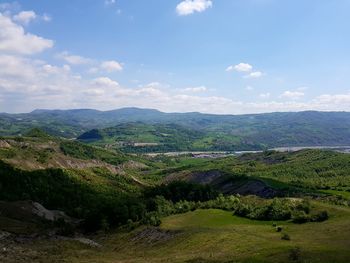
point(212, 56)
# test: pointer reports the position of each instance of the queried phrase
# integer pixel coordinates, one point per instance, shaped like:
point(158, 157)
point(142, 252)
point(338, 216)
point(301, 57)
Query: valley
point(183, 131)
point(283, 205)
point(137, 130)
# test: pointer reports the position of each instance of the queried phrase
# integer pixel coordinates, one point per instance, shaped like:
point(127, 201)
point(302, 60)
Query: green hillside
point(263, 207)
point(199, 131)
point(208, 236)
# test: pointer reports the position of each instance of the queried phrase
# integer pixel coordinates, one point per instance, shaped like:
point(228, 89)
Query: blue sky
point(218, 56)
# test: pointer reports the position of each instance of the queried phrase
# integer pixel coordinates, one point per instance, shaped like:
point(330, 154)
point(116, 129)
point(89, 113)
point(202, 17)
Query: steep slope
point(86, 182)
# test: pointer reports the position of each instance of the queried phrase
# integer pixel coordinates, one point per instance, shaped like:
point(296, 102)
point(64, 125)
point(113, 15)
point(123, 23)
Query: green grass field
point(215, 236)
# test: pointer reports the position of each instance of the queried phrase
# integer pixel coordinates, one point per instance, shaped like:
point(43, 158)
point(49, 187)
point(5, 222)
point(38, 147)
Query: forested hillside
point(199, 131)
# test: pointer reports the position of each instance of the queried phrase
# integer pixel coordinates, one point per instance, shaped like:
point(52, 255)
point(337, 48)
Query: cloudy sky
point(216, 56)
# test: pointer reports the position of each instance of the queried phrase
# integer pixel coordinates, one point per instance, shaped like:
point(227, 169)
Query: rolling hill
point(171, 209)
point(199, 131)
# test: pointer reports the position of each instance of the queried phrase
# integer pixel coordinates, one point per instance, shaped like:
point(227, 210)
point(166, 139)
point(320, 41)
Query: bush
point(151, 219)
point(285, 237)
point(320, 217)
point(300, 217)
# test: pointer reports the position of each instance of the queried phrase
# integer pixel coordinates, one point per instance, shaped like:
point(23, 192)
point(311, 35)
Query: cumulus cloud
point(14, 67)
point(25, 17)
point(188, 7)
point(39, 84)
point(241, 67)
point(292, 94)
point(105, 66)
point(111, 66)
point(14, 39)
point(50, 69)
point(254, 75)
point(336, 99)
point(195, 89)
point(104, 81)
point(46, 17)
point(73, 59)
point(27, 83)
point(245, 68)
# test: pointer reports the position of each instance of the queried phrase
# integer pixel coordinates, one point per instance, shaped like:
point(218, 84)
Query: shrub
point(304, 206)
point(279, 228)
point(300, 217)
point(279, 209)
point(151, 219)
point(320, 217)
point(285, 237)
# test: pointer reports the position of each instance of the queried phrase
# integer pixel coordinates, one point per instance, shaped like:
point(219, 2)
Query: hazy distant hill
point(204, 131)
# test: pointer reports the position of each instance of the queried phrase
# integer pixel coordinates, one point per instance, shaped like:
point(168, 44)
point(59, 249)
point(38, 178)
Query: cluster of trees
point(103, 206)
point(252, 207)
point(308, 169)
point(181, 190)
point(100, 206)
point(86, 152)
point(59, 189)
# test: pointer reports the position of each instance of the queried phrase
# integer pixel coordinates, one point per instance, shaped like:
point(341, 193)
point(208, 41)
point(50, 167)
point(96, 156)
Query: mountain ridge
point(277, 129)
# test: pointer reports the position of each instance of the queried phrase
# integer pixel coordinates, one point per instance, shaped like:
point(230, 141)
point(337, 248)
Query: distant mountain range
point(196, 131)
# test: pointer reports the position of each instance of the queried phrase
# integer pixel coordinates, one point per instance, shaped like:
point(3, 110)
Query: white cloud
point(337, 99)
point(37, 84)
point(241, 67)
point(50, 69)
point(111, 66)
point(292, 94)
point(46, 17)
point(245, 68)
point(27, 83)
point(28, 78)
point(249, 88)
point(13, 67)
point(106, 66)
point(93, 70)
point(254, 75)
point(14, 39)
point(25, 17)
point(188, 7)
point(104, 81)
point(195, 89)
point(73, 59)
point(230, 68)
